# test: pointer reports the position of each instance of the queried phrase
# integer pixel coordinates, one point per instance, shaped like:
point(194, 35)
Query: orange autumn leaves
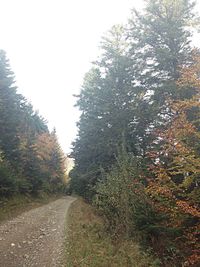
point(176, 165)
point(48, 151)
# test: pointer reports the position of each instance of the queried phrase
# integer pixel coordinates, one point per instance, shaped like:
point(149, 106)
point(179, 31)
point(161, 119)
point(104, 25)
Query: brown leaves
point(190, 75)
point(176, 164)
point(186, 208)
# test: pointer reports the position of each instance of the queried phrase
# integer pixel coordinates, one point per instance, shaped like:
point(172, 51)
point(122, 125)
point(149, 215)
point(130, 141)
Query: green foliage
point(31, 160)
point(89, 244)
point(127, 96)
point(121, 197)
point(8, 182)
point(106, 101)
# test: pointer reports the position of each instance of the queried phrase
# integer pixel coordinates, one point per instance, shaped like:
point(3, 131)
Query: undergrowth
point(88, 243)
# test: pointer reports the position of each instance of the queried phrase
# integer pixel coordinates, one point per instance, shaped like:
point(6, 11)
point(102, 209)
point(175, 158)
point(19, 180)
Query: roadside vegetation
point(31, 160)
point(137, 152)
point(89, 244)
point(15, 205)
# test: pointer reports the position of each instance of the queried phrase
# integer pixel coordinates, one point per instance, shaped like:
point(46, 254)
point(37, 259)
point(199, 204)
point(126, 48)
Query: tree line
point(31, 160)
point(137, 152)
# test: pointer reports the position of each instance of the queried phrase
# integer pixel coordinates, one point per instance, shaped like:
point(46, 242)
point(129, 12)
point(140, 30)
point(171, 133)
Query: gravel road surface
point(36, 237)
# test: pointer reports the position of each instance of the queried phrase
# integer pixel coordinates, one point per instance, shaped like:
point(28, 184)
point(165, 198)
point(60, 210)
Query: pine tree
point(106, 102)
point(27, 165)
point(160, 43)
point(126, 93)
point(9, 112)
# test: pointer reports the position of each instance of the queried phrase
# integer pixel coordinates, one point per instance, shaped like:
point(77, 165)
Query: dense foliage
point(31, 159)
point(137, 151)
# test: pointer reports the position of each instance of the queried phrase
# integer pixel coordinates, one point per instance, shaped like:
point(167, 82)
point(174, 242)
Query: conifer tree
point(22, 168)
point(9, 111)
point(106, 102)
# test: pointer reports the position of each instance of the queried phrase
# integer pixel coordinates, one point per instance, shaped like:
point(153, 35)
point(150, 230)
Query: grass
point(14, 206)
point(88, 244)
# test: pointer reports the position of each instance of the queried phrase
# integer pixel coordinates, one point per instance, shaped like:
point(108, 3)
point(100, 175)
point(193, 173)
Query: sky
point(51, 44)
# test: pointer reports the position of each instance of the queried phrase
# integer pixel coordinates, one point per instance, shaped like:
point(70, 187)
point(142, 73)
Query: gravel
point(36, 237)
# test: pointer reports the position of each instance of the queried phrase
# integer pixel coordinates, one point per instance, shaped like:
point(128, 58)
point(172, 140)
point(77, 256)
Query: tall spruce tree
point(9, 112)
point(126, 94)
point(107, 118)
point(160, 38)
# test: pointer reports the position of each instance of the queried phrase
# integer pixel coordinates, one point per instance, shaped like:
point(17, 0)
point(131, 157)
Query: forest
point(137, 153)
point(31, 159)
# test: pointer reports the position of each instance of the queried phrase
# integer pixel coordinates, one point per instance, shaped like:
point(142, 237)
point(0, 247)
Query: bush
point(121, 197)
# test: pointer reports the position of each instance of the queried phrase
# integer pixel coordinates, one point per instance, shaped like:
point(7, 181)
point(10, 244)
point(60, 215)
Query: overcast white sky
point(50, 44)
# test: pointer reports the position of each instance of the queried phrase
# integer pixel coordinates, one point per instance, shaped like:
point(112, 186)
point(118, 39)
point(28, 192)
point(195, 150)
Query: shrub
point(121, 197)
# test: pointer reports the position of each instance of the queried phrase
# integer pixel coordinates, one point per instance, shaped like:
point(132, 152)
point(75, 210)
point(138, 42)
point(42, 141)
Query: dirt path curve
point(35, 238)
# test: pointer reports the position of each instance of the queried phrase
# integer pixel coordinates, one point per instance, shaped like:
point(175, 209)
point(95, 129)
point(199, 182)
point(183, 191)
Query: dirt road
point(35, 238)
